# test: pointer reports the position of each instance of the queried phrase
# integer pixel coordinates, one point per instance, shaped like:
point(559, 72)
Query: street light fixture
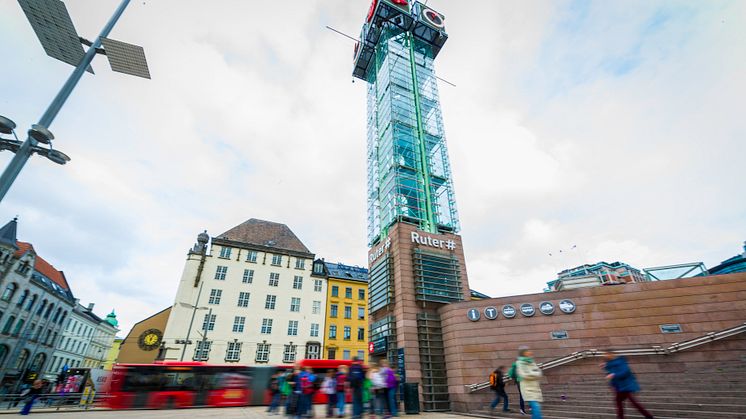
point(54, 29)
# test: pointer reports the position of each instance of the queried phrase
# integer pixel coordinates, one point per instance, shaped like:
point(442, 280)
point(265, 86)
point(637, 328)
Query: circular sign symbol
point(490, 313)
point(371, 347)
point(434, 18)
point(473, 314)
point(528, 310)
point(546, 308)
point(509, 311)
point(567, 306)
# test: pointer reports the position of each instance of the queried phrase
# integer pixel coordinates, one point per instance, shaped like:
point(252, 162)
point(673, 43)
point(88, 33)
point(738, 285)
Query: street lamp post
point(194, 307)
point(39, 133)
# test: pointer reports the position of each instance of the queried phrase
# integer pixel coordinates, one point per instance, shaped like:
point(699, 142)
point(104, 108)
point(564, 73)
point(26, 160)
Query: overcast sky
point(617, 127)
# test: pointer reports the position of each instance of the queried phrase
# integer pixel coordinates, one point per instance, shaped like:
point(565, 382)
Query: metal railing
point(652, 350)
point(55, 401)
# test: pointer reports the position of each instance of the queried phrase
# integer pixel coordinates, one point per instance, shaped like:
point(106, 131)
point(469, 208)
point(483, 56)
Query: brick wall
point(614, 317)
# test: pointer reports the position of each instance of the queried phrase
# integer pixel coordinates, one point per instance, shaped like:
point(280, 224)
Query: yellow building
point(346, 325)
point(111, 356)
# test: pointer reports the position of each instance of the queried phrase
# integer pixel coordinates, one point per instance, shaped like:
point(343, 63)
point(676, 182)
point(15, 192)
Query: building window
point(347, 333)
point(300, 263)
point(274, 279)
point(318, 268)
point(18, 327)
point(289, 354)
point(225, 252)
point(361, 294)
point(266, 326)
point(313, 351)
point(335, 291)
point(276, 260)
point(317, 284)
point(209, 322)
point(293, 328)
point(202, 351)
point(9, 291)
point(295, 304)
point(238, 324)
point(248, 276)
point(360, 355)
point(314, 330)
point(361, 313)
point(298, 282)
point(269, 304)
point(8, 324)
point(346, 354)
point(332, 332)
point(262, 352)
point(316, 308)
point(23, 297)
point(348, 292)
point(331, 354)
point(243, 299)
point(333, 310)
point(348, 312)
point(220, 273)
point(215, 296)
point(31, 302)
point(233, 353)
point(361, 333)
point(251, 256)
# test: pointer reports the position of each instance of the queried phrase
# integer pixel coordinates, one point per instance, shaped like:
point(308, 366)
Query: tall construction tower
point(416, 258)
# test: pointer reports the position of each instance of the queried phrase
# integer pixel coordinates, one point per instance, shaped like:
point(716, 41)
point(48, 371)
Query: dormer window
point(225, 252)
point(318, 268)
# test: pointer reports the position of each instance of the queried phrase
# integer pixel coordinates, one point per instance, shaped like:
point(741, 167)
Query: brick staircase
point(718, 392)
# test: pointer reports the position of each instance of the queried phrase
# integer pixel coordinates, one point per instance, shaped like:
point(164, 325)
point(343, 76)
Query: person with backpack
point(33, 393)
point(342, 385)
point(329, 387)
point(305, 404)
point(513, 375)
point(625, 384)
point(391, 383)
point(497, 384)
point(357, 379)
point(530, 375)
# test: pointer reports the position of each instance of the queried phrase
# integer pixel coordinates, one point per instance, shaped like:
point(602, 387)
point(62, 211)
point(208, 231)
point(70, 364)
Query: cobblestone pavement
point(223, 413)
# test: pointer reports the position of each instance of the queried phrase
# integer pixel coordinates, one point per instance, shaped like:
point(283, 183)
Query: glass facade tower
point(409, 176)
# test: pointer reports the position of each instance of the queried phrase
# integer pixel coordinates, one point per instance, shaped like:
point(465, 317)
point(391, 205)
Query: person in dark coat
point(623, 381)
point(498, 386)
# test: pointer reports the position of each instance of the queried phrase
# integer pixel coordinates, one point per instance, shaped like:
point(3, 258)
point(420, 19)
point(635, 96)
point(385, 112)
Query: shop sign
point(376, 253)
point(528, 309)
point(490, 313)
point(567, 306)
point(559, 334)
point(546, 308)
point(670, 328)
point(378, 346)
point(509, 311)
point(429, 241)
point(473, 314)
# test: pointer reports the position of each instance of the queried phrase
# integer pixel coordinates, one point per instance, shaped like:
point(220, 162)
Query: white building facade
point(85, 340)
point(247, 298)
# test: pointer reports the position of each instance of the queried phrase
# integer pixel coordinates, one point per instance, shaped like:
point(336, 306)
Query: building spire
point(8, 234)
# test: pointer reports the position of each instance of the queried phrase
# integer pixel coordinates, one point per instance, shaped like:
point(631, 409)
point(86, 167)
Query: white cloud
point(614, 128)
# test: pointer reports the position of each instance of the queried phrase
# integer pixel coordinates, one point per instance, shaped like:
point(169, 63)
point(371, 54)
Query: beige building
point(247, 297)
point(144, 342)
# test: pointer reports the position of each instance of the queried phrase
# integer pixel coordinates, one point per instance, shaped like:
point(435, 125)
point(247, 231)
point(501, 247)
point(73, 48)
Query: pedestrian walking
point(357, 379)
point(497, 384)
point(305, 404)
point(513, 374)
point(342, 385)
point(274, 391)
point(624, 382)
point(530, 375)
point(378, 387)
point(31, 397)
point(329, 387)
point(391, 383)
point(292, 379)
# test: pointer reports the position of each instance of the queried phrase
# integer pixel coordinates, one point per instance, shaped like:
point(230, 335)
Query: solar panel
point(54, 28)
point(126, 58)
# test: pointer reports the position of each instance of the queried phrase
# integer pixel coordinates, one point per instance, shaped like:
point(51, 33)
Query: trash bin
point(411, 398)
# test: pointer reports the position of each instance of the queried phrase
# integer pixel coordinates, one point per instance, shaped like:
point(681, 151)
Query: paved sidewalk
point(222, 413)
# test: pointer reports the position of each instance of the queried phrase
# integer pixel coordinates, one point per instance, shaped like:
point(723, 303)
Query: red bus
point(190, 384)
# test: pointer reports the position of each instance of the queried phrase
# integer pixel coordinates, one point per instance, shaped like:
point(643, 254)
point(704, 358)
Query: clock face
point(149, 339)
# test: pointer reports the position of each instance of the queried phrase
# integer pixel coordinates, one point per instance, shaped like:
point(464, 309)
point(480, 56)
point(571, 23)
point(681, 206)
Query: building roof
point(735, 264)
point(340, 271)
point(8, 233)
point(42, 266)
point(264, 233)
point(478, 295)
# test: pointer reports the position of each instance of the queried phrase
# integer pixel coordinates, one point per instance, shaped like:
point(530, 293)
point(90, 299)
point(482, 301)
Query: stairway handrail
point(652, 350)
